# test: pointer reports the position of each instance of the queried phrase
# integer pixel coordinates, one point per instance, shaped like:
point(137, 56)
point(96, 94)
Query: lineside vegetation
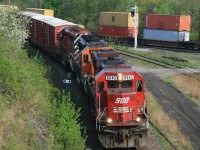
point(33, 114)
point(189, 84)
point(167, 125)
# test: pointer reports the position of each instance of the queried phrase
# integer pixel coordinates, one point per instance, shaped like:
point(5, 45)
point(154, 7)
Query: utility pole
point(134, 14)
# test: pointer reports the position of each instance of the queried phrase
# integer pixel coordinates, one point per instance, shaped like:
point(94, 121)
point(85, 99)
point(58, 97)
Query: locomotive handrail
point(100, 116)
point(99, 110)
point(77, 38)
point(144, 109)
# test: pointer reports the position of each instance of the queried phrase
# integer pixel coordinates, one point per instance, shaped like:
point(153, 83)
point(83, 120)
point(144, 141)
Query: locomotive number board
point(115, 78)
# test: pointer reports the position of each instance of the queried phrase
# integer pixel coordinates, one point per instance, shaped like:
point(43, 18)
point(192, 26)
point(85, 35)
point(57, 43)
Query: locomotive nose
point(119, 99)
point(119, 105)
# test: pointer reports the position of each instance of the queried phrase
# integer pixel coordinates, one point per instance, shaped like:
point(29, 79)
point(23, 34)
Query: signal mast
point(134, 14)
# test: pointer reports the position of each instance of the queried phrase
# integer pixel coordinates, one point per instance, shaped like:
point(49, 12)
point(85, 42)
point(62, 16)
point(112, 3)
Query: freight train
point(114, 89)
point(159, 30)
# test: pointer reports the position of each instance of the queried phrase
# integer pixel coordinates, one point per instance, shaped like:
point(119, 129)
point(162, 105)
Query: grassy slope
point(189, 85)
point(31, 116)
point(167, 125)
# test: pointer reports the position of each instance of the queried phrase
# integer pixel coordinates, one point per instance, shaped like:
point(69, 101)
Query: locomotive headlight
point(109, 120)
point(119, 76)
point(138, 119)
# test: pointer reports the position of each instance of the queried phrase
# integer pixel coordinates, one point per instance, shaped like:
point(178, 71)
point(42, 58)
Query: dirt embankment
point(177, 105)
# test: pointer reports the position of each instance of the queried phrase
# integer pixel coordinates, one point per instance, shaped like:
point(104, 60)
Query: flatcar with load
point(159, 29)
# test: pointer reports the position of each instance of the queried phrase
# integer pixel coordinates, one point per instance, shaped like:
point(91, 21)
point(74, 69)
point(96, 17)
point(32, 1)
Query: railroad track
point(161, 63)
point(163, 135)
point(174, 49)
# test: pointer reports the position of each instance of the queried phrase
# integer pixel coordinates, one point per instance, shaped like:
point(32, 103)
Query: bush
point(67, 129)
point(13, 25)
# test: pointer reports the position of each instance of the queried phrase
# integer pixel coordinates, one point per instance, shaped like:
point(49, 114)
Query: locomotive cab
point(120, 108)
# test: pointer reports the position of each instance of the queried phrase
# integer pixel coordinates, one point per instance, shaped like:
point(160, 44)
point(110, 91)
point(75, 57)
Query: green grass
point(162, 141)
point(166, 125)
point(34, 114)
point(138, 62)
point(194, 35)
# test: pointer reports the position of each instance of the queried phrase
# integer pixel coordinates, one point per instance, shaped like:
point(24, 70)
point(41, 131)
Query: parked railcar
point(167, 22)
point(115, 90)
point(117, 25)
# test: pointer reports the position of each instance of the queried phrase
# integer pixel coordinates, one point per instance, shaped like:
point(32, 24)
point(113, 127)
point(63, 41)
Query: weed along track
point(163, 135)
point(179, 107)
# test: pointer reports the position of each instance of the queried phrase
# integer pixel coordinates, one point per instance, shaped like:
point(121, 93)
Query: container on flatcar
point(117, 31)
point(47, 12)
point(166, 35)
point(117, 24)
point(116, 19)
point(167, 22)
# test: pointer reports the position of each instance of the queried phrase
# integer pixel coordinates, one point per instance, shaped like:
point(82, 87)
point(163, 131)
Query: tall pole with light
point(134, 14)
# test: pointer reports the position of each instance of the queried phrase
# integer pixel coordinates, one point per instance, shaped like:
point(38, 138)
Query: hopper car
point(115, 91)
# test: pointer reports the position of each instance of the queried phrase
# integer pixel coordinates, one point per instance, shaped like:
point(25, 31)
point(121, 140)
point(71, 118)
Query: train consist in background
point(159, 30)
point(117, 24)
point(115, 90)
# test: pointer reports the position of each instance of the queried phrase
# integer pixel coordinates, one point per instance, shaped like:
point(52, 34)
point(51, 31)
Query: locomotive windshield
point(116, 84)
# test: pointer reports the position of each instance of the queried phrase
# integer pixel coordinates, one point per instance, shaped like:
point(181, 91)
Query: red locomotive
point(115, 90)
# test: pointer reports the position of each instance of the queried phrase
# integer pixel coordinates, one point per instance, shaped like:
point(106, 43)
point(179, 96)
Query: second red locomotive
point(115, 90)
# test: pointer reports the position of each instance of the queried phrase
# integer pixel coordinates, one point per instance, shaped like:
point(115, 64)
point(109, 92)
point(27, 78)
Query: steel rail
point(161, 63)
point(163, 135)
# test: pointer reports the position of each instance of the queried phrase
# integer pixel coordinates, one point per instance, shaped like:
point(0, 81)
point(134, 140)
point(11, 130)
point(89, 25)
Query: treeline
point(33, 114)
point(87, 11)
